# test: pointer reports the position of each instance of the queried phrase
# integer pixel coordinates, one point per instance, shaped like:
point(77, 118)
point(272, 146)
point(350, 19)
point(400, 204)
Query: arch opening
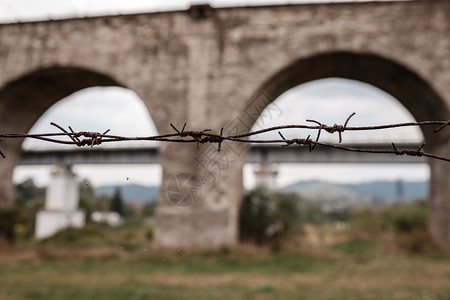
point(330, 101)
point(26, 99)
point(96, 109)
point(45, 87)
point(410, 89)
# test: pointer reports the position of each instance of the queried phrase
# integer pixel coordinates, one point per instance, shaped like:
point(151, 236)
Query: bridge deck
point(257, 154)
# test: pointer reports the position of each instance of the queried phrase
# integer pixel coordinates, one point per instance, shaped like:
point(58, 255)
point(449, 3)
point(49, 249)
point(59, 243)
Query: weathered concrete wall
point(220, 70)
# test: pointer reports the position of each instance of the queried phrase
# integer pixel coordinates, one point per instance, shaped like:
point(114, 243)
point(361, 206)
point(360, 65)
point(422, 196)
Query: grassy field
point(342, 269)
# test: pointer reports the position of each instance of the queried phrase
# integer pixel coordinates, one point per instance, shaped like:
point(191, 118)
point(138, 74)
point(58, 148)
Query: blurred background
point(322, 230)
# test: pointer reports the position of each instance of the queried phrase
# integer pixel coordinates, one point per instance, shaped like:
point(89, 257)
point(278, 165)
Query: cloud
point(331, 101)
point(23, 10)
point(96, 174)
point(97, 109)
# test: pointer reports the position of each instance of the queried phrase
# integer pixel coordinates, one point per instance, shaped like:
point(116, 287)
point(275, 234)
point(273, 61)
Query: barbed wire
point(91, 139)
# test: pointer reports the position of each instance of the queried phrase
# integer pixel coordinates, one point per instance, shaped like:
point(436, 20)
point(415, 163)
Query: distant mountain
point(130, 192)
point(333, 195)
point(329, 195)
point(336, 195)
point(387, 191)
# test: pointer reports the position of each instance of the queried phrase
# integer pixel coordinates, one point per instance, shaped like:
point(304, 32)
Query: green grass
point(356, 247)
point(232, 276)
point(100, 263)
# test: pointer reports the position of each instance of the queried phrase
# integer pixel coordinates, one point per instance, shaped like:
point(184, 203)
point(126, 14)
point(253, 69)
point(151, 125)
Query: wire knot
point(301, 142)
point(91, 138)
point(196, 135)
point(331, 129)
point(335, 128)
point(214, 139)
point(418, 152)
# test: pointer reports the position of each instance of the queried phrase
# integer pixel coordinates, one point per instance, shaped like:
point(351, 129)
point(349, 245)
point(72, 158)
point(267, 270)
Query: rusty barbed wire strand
point(409, 152)
point(347, 128)
point(87, 138)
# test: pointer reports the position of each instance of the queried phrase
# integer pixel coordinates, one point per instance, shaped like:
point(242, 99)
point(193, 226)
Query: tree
point(87, 198)
point(27, 191)
point(148, 209)
point(20, 222)
point(117, 202)
point(266, 215)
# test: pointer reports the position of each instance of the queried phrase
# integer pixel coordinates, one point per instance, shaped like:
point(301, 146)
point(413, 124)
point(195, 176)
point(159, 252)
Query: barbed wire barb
point(300, 142)
point(332, 129)
point(442, 127)
point(196, 135)
point(91, 138)
point(214, 139)
point(1, 153)
point(418, 152)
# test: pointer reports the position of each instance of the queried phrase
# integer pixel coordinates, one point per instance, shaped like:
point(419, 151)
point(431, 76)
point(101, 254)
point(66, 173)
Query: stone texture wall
point(219, 68)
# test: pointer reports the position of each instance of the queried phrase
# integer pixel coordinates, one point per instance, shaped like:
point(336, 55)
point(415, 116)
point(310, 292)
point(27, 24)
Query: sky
point(26, 10)
point(330, 101)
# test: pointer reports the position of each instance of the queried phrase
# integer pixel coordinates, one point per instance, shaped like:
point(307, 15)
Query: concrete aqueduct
point(216, 68)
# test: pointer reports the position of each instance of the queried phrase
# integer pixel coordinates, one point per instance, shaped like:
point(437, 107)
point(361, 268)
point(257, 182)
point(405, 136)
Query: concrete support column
point(6, 186)
point(61, 204)
point(266, 175)
point(11, 149)
point(199, 198)
point(439, 205)
point(198, 201)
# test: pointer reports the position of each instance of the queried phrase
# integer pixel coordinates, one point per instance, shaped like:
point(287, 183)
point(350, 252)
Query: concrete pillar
point(6, 185)
point(11, 149)
point(439, 205)
point(199, 198)
point(266, 175)
point(61, 204)
point(201, 188)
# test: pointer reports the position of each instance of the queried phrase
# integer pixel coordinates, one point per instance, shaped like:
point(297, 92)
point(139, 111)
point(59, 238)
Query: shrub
point(148, 232)
point(73, 235)
point(27, 218)
point(409, 222)
point(408, 217)
point(8, 219)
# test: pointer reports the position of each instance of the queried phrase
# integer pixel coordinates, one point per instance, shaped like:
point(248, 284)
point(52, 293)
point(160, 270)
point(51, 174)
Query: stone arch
point(45, 86)
point(395, 79)
point(412, 91)
point(24, 100)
